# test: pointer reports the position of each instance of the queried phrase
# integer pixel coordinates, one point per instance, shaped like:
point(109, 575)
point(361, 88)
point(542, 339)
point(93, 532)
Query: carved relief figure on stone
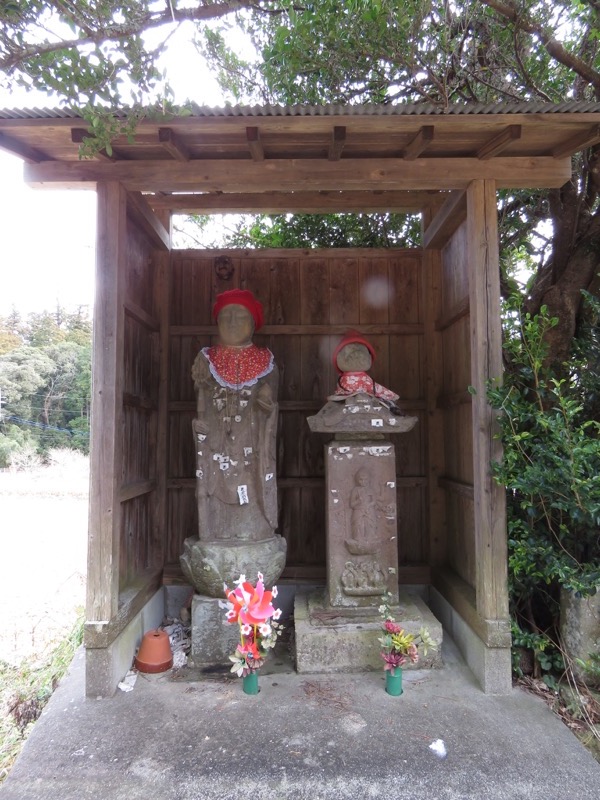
point(364, 508)
point(235, 442)
point(363, 579)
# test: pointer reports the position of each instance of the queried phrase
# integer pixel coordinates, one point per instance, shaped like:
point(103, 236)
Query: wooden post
point(163, 302)
point(436, 501)
point(486, 363)
point(107, 407)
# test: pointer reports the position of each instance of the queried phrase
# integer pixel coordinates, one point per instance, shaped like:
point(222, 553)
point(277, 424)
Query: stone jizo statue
point(235, 441)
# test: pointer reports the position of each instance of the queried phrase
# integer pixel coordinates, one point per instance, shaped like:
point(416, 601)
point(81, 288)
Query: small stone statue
point(353, 358)
point(235, 441)
point(359, 404)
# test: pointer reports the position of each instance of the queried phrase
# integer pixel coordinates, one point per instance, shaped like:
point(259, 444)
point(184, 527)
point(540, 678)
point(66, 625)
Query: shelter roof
point(258, 149)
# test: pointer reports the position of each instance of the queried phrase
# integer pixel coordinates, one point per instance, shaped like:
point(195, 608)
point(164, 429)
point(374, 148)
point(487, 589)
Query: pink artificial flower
point(392, 627)
point(393, 660)
point(248, 604)
point(413, 653)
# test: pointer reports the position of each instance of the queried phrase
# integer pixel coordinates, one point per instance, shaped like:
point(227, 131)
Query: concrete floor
point(317, 737)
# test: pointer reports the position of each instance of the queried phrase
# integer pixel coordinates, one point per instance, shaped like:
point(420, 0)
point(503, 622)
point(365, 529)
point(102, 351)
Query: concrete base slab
point(213, 638)
point(345, 640)
point(490, 665)
point(317, 737)
point(107, 666)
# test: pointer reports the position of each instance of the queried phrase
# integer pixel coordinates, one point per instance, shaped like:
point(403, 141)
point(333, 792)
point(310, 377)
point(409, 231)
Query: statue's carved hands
point(200, 370)
point(264, 398)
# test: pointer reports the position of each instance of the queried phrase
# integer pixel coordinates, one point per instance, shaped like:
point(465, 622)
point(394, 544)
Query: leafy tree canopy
point(98, 51)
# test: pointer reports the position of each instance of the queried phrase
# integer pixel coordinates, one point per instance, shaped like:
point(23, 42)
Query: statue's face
point(236, 325)
point(354, 357)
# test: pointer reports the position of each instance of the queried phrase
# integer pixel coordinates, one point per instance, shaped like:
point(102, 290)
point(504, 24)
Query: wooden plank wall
point(310, 299)
point(140, 537)
point(455, 402)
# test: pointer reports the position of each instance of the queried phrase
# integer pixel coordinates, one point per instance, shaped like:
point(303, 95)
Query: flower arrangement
point(397, 645)
point(252, 609)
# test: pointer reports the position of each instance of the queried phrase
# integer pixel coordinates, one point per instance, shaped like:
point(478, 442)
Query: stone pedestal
point(213, 638)
point(346, 640)
point(362, 547)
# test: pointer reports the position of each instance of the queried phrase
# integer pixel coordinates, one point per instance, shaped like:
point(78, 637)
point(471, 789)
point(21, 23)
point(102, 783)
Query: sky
point(48, 236)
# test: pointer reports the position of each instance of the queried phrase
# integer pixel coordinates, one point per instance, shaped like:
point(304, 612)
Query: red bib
point(236, 367)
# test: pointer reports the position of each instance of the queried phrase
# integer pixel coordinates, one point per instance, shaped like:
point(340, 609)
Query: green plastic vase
point(393, 681)
point(250, 683)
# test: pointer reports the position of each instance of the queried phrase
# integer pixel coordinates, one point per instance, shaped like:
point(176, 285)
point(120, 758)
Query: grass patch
point(25, 690)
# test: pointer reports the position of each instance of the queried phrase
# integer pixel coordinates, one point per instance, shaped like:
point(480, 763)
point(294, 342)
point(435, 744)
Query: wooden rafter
point(254, 143)
point(450, 216)
point(500, 142)
point(29, 154)
point(304, 174)
point(336, 143)
point(173, 144)
point(419, 143)
point(579, 142)
point(296, 202)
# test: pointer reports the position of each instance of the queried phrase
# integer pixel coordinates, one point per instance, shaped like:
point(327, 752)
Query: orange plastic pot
point(155, 653)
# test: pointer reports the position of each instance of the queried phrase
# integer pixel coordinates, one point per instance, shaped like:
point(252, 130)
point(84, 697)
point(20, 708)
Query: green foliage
point(25, 690)
point(551, 469)
point(45, 384)
point(327, 230)
point(375, 51)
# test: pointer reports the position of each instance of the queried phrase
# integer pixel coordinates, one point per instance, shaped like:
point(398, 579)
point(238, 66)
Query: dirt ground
point(43, 543)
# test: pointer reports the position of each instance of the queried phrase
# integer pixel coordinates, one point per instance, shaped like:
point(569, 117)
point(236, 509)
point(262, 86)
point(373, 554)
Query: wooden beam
point(132, 490)
point(457, 487)
point(308, 174)
point(254, 143)
point(131, 602)
point(173, 144)
point(454, 399)
point(17, 148)
point(139, 314)
point(79, 135)
point(107, 406)
point(336, 143)
point(451, 316)
point(447, 220)
point(486, 364)
point(405, 202)
point(499, 142)
point(371, 329)
point(419, 143)
point(580, 142)
point(146, 219)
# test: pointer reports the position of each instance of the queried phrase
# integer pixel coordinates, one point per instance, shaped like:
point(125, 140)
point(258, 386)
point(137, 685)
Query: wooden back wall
point(310, 299)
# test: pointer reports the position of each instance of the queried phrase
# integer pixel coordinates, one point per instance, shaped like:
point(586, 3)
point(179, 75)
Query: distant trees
point(45, 382)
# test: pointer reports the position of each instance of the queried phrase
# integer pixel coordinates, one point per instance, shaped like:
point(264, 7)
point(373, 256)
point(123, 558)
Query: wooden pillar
point(436, 501)
point(107, 407)
point(486, 363)
point(162, 303)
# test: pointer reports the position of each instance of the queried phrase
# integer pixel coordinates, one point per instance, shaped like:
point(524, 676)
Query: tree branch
point(143, 23)
point(552, 45)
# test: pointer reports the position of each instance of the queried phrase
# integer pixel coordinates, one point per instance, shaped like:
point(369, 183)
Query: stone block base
point(345, 640)
point(213, 638)
point(491, 666)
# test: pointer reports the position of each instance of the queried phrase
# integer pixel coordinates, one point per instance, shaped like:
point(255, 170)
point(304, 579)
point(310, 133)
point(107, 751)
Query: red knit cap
point(351, 337)
point(240, 297)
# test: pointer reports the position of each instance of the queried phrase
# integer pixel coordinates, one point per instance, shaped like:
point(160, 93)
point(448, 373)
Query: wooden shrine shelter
point(432, 314)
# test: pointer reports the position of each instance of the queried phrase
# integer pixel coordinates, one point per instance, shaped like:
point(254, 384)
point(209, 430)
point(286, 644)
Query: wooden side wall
point(125, 552)
point(310, 299)
point(455, 403)
point(473, 572)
